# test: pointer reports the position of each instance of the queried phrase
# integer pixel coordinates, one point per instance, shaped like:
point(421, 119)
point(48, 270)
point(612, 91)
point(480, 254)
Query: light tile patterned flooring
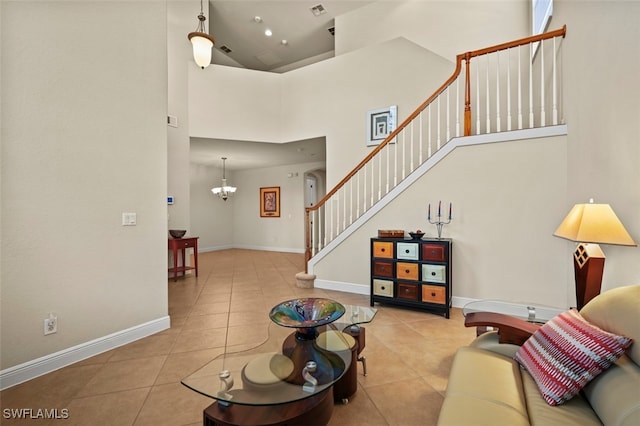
point(408, 353)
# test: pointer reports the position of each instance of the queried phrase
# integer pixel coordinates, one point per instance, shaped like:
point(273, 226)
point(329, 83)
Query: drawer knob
point(433, 274)
point(407, 251)
point(382, 250)
point(383, 288)
point(433, 294)
point(406, 271)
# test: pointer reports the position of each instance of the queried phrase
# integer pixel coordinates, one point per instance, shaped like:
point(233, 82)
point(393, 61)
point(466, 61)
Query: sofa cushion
point(483, 386)
point(577, 411)
point(618, 311)
point(566, 353)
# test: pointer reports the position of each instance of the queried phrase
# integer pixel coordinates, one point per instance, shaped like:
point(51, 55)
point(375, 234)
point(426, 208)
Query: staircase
point(503, 88)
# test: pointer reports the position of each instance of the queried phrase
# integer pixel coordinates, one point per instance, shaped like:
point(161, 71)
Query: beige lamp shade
point(594, 223)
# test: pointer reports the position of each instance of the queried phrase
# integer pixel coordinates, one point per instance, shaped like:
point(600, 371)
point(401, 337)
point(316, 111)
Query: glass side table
point(538, 314)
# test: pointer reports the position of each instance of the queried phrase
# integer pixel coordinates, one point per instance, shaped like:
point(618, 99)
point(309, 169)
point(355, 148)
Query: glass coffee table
point(290, 377)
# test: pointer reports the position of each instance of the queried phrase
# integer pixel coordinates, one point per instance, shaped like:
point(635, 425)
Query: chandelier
point(224, 191)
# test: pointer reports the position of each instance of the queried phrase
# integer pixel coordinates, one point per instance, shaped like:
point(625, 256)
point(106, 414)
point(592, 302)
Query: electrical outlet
point(51, 324)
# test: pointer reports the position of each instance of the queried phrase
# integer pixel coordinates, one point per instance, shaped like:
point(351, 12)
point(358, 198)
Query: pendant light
point(224, 191)
point(202, 42)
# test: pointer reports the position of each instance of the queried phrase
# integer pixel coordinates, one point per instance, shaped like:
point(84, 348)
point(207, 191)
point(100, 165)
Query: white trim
point(262, 248)
point(248, 247)
point(215, 248)
point(48, 363)
point(540, 132)
point(342, 286)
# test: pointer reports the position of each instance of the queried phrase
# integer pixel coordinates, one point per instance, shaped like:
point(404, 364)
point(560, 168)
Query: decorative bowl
point(177, 233)
point(306, 312)
point(416, 235)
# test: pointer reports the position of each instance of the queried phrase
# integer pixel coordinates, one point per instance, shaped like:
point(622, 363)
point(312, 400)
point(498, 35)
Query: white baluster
point(337, 195)
point(519, 89)
point(395, 161)
point(498, 92)
point(530, 86)
point(351, 200)
point(388, 152)
point(478, 100)
point(448, 120)
point(508, 89)
point(457, 107)
point(404, 149)
point(438, 126)
point(488, 105)
point(379, 175)
point(411, 143)
point(429, 132)
point(358, 194)
point(542, 100)
point(372, 183)
point(555, 94)
point(420, 137)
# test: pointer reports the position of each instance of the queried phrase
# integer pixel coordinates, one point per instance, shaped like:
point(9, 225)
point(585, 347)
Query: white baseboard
point(267, 248)
point(342, 286)
point(46, 364)
point(249, 247)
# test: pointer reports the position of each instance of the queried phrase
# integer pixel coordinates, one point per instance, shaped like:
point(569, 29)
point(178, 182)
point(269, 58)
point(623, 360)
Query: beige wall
point(600, 154)
point(504, 212)
point(601, 68)
point(84, 94)
point(181, 19)
point(84, 139)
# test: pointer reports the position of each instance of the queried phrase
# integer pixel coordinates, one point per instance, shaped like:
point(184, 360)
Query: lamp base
point(588, 265)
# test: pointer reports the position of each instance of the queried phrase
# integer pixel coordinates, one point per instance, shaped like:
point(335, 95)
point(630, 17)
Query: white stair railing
point(512, 80)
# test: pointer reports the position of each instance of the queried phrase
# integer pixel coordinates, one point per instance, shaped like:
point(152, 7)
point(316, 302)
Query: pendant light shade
point(202, 42)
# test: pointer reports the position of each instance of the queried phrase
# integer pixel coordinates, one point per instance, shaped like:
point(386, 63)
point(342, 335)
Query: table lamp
point(588, 225)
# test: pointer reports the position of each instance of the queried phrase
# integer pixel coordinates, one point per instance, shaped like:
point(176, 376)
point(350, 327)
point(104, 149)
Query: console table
point(179, 245)
point(412, 272)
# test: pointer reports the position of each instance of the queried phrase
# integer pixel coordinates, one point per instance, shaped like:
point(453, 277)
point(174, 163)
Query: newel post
point(467, 95)
point(307, 240)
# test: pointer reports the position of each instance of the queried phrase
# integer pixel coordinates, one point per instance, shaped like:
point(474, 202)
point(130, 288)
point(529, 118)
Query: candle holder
point(439, 223)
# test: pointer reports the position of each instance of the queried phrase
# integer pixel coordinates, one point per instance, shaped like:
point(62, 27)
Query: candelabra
point(439, 223)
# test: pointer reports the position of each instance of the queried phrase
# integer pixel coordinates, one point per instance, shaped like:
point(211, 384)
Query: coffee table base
point(315, 410)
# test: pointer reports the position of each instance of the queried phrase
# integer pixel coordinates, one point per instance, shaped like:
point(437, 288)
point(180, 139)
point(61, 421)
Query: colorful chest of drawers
point(413, 273)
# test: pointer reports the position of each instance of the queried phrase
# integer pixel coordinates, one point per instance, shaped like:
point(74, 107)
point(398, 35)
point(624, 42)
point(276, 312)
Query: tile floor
point(408, 353)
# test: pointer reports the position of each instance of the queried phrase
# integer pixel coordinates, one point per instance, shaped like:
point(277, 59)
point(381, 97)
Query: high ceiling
point(240, 26)
point(234, 25)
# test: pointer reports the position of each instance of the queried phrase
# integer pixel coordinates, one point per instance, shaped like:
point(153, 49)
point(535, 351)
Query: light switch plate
point(129, 219)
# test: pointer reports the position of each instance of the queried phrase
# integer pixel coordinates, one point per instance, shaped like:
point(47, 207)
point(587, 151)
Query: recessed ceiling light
point(268, 32)
point(284, 42)
point(257, 19)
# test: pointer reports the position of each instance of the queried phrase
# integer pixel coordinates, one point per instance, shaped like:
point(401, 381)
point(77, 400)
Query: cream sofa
point(487, 387)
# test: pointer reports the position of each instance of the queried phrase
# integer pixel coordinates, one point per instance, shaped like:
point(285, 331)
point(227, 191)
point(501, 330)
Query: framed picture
point(380, 123)
point(270, 201)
